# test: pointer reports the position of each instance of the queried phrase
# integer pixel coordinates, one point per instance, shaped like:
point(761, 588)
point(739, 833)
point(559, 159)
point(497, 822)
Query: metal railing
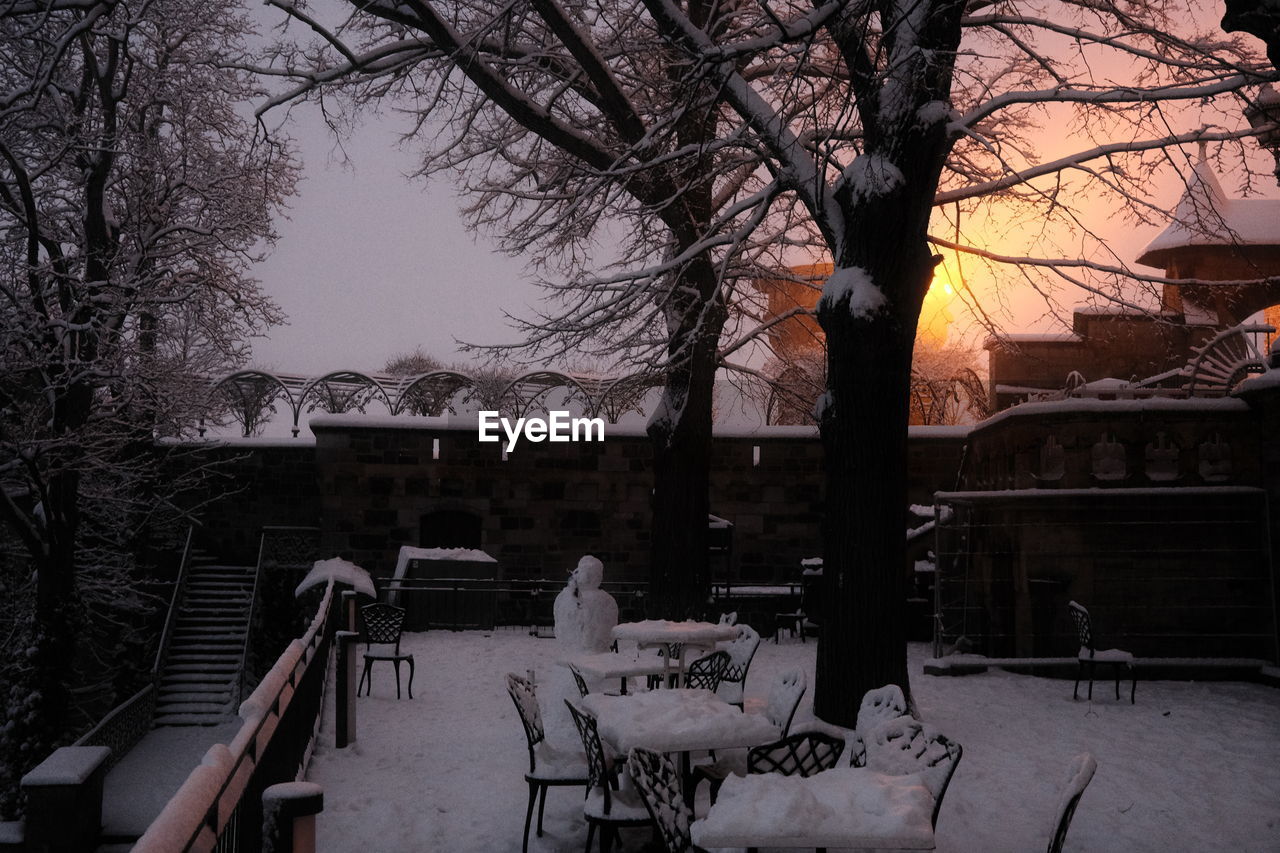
point(242, 680)
point(280, 723)
point(123, 726)
point(179, 590)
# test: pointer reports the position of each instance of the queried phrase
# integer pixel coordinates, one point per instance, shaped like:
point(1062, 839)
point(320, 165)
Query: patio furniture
point(382, 627)
point(1078, 775)
point(658, 784)
point(742, 650)
point(606, 806)
point(844, 807)
point(707, 672)
point(604, 665)
point(1089, 657)
point(673, 640)
point(784, 699)
point(879, 705)
point(799, 754)
point(678, 720)
point(730, 618)
point(548, 766)
point(579, 680)
point(907, 746)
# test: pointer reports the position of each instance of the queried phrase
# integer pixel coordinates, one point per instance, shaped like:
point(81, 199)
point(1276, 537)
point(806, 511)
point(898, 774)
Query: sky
point(372, 263)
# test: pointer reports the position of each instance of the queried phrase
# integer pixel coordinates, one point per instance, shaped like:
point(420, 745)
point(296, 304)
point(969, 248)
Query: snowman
point(584, 613)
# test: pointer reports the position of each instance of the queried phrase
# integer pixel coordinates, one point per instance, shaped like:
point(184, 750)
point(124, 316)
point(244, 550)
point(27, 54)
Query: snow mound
point(340, 571)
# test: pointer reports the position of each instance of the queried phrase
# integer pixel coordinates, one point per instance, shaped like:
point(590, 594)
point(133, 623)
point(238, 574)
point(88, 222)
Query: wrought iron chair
point(672, 652)
point(880, 705)
point(579, 680)
point(382, 627)
point(1078, 775)
point(742, 650)
point(784, 699)
point(548, 766)
point(606, 806)
point(906, 745)
point(707, 672)
point(1089, 657)
point(799, 754)
point(658, 782)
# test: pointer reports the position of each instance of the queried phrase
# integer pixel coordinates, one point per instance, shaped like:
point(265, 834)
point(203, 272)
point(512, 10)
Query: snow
point(1205, 216)
point(672, 720)
point(340, 571)
point(1189, 767)
point(873, 175)
point(1190, 407)
point(138, 787)
point(841, 803)
point(852, 284)
point(664, 631)
point(461, 555)
point(68, 765)
point(585, 615)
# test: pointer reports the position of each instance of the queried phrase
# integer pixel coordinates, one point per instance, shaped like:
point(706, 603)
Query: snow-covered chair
point(580, 680)
point(879, 705)
point(606, 806)
point(1078, 775)
point(1089, 657)
point(548, 766)
point(780, 709)
point(658, 782)
point(730, 618)
point(800, 754)
point(383, 624)
point(906, 745)
point(707, 672)
point(742, 649)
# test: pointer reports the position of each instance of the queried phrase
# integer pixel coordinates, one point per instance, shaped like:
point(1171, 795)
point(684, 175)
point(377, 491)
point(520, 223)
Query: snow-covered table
point(654, 633)
point(623, 666)
point(842, 807)
point(677, 720)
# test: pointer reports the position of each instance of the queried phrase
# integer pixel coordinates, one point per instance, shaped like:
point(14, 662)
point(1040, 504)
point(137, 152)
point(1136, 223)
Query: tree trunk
point(679, 568)
point(863, 420)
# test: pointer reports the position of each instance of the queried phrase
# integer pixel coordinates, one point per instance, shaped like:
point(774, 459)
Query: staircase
point(201, 674)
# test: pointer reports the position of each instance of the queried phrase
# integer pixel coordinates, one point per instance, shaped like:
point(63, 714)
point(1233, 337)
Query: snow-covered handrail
point(203, 808)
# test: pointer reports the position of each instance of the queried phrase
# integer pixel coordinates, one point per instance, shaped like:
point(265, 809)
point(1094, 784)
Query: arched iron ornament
point(1226, 360)
point(434, 393)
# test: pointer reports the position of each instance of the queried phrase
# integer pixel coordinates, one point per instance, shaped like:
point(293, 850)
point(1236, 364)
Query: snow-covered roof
point(1205, 216)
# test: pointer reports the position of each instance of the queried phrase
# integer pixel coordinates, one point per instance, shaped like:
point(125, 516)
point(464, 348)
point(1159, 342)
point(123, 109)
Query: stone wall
point(368, 483)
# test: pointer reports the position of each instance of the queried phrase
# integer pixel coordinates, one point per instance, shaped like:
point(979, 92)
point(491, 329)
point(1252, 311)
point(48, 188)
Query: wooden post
point(349, 609)
point(344, 700)
point(289, 817)
point(64, 800)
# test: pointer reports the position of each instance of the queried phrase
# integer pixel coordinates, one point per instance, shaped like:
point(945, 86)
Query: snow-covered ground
point(1190, 767)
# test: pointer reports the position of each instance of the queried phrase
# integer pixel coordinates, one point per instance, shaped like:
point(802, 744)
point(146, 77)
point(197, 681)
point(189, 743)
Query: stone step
point(208, 666)
point(198, 719)
point(222, 698)
point(191, 687)
point(188, 677)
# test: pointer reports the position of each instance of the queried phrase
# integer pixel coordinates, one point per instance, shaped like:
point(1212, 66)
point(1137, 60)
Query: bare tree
point(723, 132)
point(566, 120)
point(132, 202)
point(942, 97)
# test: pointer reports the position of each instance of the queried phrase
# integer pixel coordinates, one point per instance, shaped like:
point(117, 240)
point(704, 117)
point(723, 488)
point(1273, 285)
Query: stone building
point(1214, 244)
